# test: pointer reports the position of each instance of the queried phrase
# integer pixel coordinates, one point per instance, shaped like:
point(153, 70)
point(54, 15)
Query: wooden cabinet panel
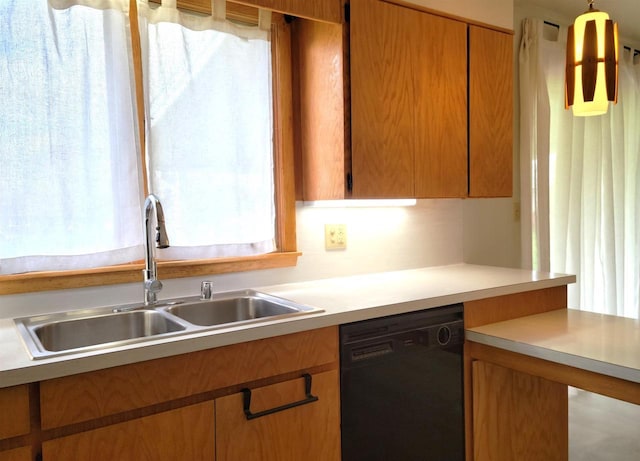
point(518, 416)
point(322, 10)
point(430, 109)
point(319, 65)
point(440, 106)
point(382, 97)
point(490, 113)
point(87, 396)
point(496, 309)
point(408, 102)
point(14, 413)
point(183, 434)
point(507, 307)
point(310, 432)
point(17, 454)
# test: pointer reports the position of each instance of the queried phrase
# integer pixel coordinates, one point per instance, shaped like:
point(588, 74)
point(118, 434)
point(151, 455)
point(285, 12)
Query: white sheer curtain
point(581, 180)
point(209, 144)
point(69, 175)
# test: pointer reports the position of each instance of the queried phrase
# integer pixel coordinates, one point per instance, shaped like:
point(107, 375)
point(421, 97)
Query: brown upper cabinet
point(490, 113)
point(430, 103)
point(408, 102)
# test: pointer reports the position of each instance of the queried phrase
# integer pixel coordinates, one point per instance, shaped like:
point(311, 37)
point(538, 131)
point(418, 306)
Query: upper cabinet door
point(408, 102)
point(490, 113)
point(431, 107)
point(440, 107)
point(382, 99)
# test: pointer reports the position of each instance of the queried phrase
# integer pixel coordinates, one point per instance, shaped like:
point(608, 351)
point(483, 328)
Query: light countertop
point(344, 300)
point(604, 344)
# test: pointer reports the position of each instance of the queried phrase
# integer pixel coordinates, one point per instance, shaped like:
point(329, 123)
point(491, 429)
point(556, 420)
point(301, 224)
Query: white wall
point(378, 239)
point(491, 231)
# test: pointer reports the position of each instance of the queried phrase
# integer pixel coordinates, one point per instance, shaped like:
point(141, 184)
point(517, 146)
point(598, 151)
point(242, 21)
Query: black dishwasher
point(401, 387)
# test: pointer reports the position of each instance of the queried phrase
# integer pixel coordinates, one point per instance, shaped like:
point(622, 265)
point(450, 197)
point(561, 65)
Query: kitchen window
point(124, 213)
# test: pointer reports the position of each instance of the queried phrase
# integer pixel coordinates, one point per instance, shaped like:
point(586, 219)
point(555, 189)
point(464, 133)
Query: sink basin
point(53, 334)
point(108, 327)
point(236, 307)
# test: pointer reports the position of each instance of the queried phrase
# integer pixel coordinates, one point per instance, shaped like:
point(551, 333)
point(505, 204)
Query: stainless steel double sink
point(108, 327)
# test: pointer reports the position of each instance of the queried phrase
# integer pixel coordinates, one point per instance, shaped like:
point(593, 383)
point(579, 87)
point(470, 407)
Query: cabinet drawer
point(310, 431)
point(14, 418)
point(93, 395)
point(183, 434)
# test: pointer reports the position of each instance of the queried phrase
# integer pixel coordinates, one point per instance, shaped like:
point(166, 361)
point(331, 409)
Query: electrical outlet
point(335, 236)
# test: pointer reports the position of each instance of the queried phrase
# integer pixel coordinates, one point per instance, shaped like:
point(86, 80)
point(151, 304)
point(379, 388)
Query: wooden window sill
point(131, 273)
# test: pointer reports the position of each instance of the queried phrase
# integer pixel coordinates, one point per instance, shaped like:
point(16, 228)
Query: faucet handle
point(206, 289)
point(153, 286)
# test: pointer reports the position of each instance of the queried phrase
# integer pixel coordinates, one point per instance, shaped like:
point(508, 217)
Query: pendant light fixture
point(592, 63)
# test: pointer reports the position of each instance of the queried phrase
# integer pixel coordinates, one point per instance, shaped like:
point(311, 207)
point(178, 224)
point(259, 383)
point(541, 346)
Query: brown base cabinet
point(510, 414)
point(15, 423)
point(14, 417)
point(506, 401)
point(17, 454)
point(182, 434)
point(220, 429)
point(188, 407)
point(310, 431)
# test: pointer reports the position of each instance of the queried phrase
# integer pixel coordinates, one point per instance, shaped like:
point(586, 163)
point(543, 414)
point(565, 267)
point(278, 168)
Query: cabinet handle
point(308, 399)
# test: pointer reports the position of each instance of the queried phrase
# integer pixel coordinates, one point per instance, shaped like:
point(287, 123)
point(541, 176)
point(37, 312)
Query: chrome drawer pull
point(308, 399)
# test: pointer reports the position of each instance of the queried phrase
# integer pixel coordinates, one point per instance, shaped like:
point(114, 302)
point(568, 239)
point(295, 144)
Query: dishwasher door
point(401, 387)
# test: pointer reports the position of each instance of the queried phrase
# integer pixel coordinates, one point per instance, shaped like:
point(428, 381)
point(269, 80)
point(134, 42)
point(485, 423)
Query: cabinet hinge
point(349, 182)
point(347, 12)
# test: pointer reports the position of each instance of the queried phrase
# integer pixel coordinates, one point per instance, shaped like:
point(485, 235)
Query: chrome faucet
point(151, 283)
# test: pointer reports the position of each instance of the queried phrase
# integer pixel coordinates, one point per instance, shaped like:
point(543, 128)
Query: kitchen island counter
point(603, 344)
point(519, 371)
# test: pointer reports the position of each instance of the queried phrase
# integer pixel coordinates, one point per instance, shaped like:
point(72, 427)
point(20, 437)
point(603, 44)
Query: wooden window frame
point(285, 256)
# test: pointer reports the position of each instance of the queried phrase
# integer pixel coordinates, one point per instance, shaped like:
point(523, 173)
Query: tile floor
point(602, 429)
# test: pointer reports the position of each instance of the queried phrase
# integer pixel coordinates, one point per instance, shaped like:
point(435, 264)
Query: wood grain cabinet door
point(382, 97)
point(17, 454)
point(408, 102)
point(518, 416)
point(14, 411)
point(440, 107)
point(490, 113)
point(183, 434)
point(309, 432)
